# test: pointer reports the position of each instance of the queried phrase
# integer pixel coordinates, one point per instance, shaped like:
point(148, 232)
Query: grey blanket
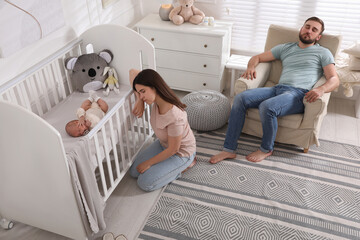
point(89, 200)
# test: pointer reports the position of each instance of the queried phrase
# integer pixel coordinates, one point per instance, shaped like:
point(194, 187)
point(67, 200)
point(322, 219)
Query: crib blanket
point(82, 167)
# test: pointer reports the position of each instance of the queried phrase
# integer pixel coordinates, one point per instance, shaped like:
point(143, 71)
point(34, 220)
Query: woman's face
point(147, 94)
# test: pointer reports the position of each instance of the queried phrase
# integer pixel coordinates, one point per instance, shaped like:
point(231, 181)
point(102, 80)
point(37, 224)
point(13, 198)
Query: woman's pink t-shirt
point(173, 123)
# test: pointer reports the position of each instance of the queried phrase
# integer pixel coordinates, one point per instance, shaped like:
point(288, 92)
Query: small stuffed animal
point(111, 82)
point(186, 12)
point(87, 70)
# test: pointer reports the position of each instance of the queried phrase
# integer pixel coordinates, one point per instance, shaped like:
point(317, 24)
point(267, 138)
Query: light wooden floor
point(128, 206)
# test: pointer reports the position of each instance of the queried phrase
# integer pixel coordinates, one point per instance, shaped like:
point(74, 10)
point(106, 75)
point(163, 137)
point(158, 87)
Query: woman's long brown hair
point(151, 78)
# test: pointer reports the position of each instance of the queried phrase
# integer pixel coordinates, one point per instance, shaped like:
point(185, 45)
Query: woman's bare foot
point(257, 156)
point(221, 156)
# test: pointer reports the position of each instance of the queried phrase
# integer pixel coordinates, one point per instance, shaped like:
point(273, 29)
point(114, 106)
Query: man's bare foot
point(257, 156)
point(221, 156)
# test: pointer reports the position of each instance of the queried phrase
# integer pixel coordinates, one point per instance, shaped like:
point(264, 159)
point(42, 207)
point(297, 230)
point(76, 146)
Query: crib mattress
point(65, 111)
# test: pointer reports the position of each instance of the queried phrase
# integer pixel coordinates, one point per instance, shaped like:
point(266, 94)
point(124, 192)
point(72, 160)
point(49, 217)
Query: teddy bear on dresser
point(186, 12)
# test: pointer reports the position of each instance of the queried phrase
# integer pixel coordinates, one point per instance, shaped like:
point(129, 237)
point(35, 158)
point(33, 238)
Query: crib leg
point(6, 224)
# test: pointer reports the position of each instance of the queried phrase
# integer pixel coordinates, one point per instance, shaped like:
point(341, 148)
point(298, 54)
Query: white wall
point(79, 15)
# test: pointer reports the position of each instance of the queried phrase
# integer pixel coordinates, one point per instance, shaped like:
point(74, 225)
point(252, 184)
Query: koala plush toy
point(87, 70)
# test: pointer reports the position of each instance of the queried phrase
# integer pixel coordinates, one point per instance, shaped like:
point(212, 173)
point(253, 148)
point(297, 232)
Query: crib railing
point(44, 85)
point(117, 140)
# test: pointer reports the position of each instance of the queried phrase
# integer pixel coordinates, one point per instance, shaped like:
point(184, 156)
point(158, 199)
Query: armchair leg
point(306, 150)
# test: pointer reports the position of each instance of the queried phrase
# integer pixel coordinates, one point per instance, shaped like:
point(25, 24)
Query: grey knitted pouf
point(207, 109)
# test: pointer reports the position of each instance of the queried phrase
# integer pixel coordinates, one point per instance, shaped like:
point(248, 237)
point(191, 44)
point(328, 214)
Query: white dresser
point(189, 57)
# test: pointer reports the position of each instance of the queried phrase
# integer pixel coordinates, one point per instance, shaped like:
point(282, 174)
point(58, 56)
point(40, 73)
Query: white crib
point(36, 184)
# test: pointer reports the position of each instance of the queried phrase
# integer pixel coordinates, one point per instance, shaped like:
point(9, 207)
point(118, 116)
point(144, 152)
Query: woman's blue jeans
point(162, 173)
point(272, 102)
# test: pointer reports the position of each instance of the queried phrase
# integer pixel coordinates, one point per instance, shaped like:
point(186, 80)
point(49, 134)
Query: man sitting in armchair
point(303, 63)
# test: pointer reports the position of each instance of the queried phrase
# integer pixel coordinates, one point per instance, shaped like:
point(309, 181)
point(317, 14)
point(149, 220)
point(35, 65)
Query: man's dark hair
point(316, 19)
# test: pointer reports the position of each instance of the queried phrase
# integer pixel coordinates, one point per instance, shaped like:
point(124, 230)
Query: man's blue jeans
point(162, 173)
point(272, 102)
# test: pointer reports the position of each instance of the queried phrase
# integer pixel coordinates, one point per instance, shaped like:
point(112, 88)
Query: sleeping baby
point(92, 110)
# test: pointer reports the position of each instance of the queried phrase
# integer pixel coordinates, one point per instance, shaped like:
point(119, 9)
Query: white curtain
point(252, 18)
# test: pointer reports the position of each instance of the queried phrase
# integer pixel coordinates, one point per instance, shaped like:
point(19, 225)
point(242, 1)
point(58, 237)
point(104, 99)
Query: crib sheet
point(82, 166)
point(65, 111)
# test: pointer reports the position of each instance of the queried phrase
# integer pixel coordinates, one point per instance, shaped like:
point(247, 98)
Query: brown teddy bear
point(186, 12)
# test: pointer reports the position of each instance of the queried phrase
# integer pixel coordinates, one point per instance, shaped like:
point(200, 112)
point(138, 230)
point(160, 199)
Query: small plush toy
point(111, 82)
point(87, 70)
point(186, 12)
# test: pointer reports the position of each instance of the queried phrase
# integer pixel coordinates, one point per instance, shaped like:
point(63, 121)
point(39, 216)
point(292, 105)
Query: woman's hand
point(142, 167)
point(138, 109)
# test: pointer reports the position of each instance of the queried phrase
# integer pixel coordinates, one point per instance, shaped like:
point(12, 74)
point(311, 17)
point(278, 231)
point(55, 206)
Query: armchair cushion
point(299, 121)
point(291, 121)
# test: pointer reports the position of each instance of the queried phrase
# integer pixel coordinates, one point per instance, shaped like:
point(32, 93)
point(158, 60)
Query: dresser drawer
point(189, 81)
point(185, 42)
point(188, 62)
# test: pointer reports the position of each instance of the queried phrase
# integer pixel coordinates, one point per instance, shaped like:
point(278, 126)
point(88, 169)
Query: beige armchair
point(298, 129)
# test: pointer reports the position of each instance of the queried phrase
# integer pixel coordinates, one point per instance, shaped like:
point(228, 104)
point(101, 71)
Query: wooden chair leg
point(306, 150)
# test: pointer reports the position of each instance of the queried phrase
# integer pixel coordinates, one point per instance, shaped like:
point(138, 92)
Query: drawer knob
point(205, 66)
point(152, 39)
point(204, 84)
point(205, 46)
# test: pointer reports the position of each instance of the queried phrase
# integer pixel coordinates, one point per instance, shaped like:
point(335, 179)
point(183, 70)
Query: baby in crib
point(92, 110)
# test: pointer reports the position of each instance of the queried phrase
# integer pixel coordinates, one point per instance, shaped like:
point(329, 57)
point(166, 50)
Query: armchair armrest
point(315, 112)
point(262, 74)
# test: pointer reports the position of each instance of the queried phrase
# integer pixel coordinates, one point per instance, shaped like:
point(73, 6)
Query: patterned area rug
point(290, 195)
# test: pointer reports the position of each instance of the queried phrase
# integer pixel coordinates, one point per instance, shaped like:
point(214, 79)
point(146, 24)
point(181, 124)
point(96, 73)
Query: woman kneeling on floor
point(173, 152)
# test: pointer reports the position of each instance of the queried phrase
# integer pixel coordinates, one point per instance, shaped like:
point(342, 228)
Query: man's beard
point(304, 41)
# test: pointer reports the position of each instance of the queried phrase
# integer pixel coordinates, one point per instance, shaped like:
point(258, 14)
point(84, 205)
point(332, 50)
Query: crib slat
point(99, 161)
point(54, 82)
point(12, 96)
point(41, 84)
point(148, 119)
point(67, 75)
point(51, 83)
point(21, 96)
point(25, 96)
point(138, 132)
point(30, 91)
point(120, 136)
point(126, 133)
point(60, 78)
point(114, 148)
point(132, 127)
point(107, 156)
point(35, 95)
point(144, 126)
point(8, 97)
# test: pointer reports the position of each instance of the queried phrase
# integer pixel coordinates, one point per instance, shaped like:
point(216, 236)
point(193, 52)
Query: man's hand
point(142, 167)
point(138, 109)
point(250, 73)
point(314, 94)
